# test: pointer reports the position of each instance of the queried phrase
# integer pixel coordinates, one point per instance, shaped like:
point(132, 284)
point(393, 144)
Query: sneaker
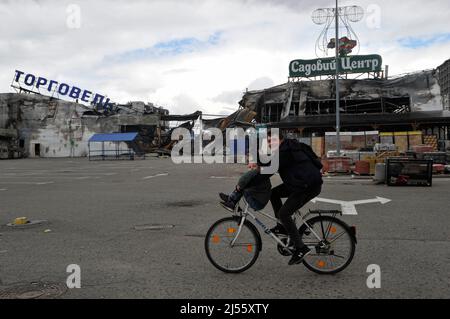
point(228, 205)
point(224, 197)
point(279, 230)
point(299, 255)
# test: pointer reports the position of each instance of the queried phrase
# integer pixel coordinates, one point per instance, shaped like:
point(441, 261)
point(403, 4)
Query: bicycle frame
point(246, 213)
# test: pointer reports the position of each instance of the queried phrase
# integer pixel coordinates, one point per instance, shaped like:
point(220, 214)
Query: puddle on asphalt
point(195, 235)
point(154, 227)
point(184, 203)
point(35, 290)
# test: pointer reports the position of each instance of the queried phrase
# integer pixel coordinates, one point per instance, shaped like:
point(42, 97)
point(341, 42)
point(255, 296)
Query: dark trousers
point(236, 195)
point(295, 201)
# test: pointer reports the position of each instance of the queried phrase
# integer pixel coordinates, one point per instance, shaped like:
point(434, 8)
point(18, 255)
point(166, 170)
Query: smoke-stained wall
point(55, 128)
point(421, 89)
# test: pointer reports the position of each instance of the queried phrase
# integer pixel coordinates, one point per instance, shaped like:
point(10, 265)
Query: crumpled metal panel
point(422, 87)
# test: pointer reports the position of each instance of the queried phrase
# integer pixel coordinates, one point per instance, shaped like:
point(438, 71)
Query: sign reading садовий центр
point(327, 66)
point(39, 84)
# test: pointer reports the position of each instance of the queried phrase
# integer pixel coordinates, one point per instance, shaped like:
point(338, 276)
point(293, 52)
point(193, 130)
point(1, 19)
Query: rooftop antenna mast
point(343, 46)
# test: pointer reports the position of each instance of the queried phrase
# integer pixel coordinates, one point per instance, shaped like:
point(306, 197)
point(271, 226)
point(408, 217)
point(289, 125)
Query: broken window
point(271, 112)
point(295, 109)
point(395, 105)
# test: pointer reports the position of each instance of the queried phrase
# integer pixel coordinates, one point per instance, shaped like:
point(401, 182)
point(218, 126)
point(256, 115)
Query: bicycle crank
point(282, 250)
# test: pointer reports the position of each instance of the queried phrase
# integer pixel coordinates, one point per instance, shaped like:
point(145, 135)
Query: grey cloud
point(228, 97)
point(177, 71)
point(261, 83)
point(38, 41)
point(233, 97)
point(294, 4)
point(183, 104)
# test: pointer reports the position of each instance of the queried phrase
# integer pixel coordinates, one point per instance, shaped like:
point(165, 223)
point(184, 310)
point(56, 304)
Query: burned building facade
point(33, 125)
point(410, 102)
point(444, 83)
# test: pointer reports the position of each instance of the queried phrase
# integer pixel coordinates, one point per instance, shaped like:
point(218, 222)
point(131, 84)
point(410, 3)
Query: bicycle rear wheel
point(336, 248)
point(232, 258)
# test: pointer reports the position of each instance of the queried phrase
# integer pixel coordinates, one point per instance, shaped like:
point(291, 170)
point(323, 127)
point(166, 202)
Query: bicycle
point(233, 244)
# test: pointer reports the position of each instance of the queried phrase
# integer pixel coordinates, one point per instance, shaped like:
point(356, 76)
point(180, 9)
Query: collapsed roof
point(412, 92)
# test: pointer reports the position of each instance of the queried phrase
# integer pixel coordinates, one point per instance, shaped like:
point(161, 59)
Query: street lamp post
point(325, 16)
point(338, 111)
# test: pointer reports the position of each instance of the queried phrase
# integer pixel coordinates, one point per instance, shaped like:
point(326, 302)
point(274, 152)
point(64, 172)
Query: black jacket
point(297, 167)
point(258, 186)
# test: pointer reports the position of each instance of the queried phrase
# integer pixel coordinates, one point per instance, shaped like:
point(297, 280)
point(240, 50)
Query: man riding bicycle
point(299, 168)
point(300, 171)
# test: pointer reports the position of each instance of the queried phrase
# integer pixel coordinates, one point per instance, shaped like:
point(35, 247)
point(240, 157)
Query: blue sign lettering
point(63, 89)
point(35, 83)
point(75, 92)
point(18, 75)
point(27, 79)
point(86, 95)
point(41, 81)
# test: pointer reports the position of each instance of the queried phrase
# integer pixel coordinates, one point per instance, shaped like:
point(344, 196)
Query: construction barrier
point(339, 165)
point(362, 168)
point(438, 169)
point(422, 148)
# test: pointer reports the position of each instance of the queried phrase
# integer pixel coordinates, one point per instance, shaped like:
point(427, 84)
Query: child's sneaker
point(224, 197)
point(228, 205)
point(298, 255)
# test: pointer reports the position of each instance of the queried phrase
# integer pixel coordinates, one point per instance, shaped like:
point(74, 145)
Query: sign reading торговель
point(327, 66)
point(41, 85)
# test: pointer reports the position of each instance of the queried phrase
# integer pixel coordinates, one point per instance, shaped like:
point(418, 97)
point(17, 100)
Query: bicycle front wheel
point(232, 257)
point(335, 249)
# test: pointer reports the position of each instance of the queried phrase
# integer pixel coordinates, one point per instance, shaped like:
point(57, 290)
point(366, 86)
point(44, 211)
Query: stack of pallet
point(384, 155)
point(346, 141)
point(372, 138)
point(330, 142)
point(432, 141)
point(414, 139)
point(337, 165)
point(387, 138)
point(318, 146)
point(401, 141)
point(380, 157)
point(422, 148)
point(358, 140)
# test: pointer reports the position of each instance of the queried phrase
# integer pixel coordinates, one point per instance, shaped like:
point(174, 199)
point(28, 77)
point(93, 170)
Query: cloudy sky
point(190, 55)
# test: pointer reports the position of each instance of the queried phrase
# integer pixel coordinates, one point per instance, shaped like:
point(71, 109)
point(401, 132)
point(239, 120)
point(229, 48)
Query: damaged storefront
point(34, 125)
point(399, 106)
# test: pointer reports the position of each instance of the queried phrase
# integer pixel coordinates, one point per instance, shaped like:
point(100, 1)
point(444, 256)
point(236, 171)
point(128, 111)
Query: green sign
point(327, 66)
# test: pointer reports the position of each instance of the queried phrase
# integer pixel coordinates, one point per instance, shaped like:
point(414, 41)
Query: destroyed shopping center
point(373, 110)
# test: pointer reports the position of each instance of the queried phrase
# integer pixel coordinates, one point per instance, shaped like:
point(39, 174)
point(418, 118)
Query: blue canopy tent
point(116, 139)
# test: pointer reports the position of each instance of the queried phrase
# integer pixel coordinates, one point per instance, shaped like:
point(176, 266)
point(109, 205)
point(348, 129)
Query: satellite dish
point(354, 13)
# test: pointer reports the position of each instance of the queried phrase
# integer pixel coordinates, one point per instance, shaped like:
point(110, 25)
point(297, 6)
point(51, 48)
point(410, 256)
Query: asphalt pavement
point(136, 229)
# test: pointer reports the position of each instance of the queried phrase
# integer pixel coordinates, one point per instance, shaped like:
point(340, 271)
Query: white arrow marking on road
point(349, 207)
point(370, 201)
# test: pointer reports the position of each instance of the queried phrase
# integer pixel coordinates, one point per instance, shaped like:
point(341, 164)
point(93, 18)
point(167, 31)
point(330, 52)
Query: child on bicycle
point(254, 186)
